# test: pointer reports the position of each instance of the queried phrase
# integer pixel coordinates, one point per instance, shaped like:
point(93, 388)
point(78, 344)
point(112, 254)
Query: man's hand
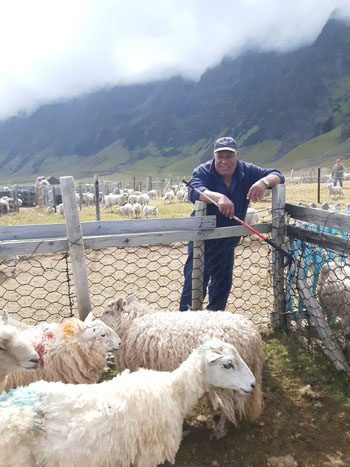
point(226, 207)
point(256, 191)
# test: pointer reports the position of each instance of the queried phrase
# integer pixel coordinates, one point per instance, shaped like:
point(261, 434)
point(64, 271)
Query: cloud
point(62, 48)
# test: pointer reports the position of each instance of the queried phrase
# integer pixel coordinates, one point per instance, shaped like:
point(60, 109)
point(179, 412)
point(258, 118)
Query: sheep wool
point(134, 419)
point(162, 340)
point(74, 351)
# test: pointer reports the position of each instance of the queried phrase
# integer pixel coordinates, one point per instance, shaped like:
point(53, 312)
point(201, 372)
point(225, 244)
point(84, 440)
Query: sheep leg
point(221, 428)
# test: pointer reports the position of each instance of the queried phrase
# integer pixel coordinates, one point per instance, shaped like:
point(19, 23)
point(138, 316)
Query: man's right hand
point(226, 207)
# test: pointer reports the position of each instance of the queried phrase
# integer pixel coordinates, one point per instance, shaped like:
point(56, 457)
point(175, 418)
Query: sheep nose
point(252, 385)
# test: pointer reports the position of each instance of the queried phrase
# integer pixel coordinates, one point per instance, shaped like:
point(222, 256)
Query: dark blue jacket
point(205, 177)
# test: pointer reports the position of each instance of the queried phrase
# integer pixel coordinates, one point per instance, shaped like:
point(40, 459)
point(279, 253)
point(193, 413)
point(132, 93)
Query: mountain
point(286, 110)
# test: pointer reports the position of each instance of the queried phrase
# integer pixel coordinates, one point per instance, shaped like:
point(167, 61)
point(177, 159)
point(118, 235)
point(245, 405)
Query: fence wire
point(40, 287)
point(325, 274)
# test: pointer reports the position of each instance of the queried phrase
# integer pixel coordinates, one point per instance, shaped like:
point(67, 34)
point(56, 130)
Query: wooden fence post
point(277, 234)
point(198, 263)
point(76, 246)
point(97, 197)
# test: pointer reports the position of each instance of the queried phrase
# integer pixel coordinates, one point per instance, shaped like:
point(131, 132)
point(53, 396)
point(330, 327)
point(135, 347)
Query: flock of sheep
point(55, 414)
point(131, 204)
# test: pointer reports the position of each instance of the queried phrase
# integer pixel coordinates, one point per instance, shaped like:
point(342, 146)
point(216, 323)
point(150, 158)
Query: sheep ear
point(119, 304)
point(130, 298)
point(90, 317)
point(5, 316)
point(212, 356)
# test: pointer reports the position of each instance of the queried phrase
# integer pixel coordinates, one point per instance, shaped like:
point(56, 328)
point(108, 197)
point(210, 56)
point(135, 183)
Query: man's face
point(225, 162)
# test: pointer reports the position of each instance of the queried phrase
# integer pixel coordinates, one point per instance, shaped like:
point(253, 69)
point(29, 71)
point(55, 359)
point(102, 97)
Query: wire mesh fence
point(36, 288)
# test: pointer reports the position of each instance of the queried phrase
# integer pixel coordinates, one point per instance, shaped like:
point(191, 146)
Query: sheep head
point(225, 368)
point(92, 332)
point(16, 353)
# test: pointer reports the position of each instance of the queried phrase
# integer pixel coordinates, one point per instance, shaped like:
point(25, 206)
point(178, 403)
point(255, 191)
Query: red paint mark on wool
point(49, 335)
point(40, 350)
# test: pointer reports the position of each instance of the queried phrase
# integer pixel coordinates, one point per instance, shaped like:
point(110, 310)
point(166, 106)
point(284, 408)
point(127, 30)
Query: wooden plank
point(320, 217)
point(278, 230)
point(26, 232)
point(27, 247)
point(198, 263)
point(320, 238)
point(76, 246)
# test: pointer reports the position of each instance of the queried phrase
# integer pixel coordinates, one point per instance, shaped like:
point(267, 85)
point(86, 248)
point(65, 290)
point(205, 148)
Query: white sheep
point(152, 194)
point(180, 195)
point(335, 191)
point(137, 210)
point(127, 210)
point(60, 209)
point(143, 199)
point(134, 419)
point(73, 351)
point(132, 199)
point(333, 293)
point(169, 196)
point(252, 216)
point(150, 211)
point(16, 353)
point(114, 200)
point(162, 340)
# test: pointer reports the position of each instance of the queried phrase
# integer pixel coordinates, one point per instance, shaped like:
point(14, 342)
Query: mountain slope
point(273, 103)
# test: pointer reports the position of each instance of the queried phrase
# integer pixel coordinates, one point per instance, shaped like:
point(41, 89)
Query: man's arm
point(226, 207)
point(257, 190)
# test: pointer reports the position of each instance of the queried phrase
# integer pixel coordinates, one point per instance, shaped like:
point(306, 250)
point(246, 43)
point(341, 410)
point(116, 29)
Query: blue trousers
point(218, 268)
point(335, 181)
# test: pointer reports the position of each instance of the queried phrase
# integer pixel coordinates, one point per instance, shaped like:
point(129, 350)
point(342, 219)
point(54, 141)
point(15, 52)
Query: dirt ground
point(311, 424)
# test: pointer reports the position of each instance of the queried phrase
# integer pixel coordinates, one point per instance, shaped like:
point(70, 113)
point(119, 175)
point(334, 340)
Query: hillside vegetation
point(289, 110)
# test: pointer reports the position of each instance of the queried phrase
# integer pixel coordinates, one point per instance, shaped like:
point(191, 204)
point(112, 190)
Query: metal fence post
point(198, 263)
point(76, 246)
point(277, 234)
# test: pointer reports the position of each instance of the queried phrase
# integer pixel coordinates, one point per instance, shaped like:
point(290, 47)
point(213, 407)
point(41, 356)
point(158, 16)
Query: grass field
point(305, 193)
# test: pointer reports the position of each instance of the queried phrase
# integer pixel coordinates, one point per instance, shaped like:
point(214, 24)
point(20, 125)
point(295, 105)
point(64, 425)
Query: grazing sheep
point(169, 196)
point(180, 196)
point(333, 292)
point(137, 210)
point(150, 211)
point(162, 340)
point(16, 353)
point(127, 210)
point(4, 206)
point(114, 200)
point(143, 199)
point(134, 419)
point(152, 194)
point(132, 199)
point(73, 351)
point(335, 191)
point(252, 216)
point(60, 209)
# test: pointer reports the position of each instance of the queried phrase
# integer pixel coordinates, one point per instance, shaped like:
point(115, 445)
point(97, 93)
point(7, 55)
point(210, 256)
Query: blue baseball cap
point(225, 144)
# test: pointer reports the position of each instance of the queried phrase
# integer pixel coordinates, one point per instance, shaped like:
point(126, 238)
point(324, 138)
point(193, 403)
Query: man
point(338, 172)
point(231, 183)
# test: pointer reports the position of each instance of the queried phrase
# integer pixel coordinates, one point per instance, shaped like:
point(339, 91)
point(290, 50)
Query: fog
point(52, 50)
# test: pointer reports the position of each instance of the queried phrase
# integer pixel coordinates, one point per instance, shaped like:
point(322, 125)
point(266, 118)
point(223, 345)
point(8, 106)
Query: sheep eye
point(103, 335)
point(2, 348)
point(228, 365)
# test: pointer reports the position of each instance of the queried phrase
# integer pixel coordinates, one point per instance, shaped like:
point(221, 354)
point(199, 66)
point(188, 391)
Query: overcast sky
point(52, 49)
